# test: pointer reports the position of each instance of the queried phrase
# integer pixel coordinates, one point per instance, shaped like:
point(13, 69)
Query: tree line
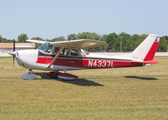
point(122, 42)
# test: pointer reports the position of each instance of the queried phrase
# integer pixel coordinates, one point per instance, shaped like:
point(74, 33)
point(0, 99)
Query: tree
point(166, 37)
point(105, 46)
point(126, 46)
point(1, 38)
point(163, 45)
point(95, 36)
point(133, 41)
point(22, 38)
point(88, 35)
point(4, 39)
point(61, 38)
point(111, 39)
point(116, 46)
point(54, 39)
point(84, 35)
point(72, 37)
point(36, 38)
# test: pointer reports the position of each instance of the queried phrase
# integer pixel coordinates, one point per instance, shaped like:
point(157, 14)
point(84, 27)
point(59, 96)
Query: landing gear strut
point(53, 75)
point(30, 71)
point(28, 76)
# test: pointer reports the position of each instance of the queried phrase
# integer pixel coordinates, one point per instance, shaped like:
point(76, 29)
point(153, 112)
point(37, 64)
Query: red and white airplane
point(69, 55)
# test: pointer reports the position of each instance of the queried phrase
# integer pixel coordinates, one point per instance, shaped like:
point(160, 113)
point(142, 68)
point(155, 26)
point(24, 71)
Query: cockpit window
point(75, 53)
point(84, 52)
point(46, 47)
point(70, 52)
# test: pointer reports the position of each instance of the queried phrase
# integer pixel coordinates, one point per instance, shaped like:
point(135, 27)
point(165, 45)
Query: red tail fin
point(146, 50)
point(151, 53)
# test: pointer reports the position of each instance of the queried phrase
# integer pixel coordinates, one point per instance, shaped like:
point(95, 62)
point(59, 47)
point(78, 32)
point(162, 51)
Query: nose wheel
point(28, 76)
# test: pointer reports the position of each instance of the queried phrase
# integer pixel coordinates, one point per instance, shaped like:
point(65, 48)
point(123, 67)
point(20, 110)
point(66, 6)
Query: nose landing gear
point(28, 76)
point(30, 71)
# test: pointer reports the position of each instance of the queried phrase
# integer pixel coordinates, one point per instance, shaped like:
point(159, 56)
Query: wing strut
point(56, 57)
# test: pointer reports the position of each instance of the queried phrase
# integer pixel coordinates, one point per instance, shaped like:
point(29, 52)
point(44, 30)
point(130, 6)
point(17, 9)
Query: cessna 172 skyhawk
point(69, 55)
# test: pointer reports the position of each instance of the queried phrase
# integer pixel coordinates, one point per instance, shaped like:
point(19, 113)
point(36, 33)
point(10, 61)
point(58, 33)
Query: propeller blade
point(13, 51)
point(13, 60)
point(13, 54)
point(14, 45)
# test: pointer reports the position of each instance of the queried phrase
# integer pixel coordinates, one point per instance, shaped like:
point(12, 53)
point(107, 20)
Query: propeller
point(13, 51)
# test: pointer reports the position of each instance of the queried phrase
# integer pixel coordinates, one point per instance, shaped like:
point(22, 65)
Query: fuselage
point(37, 59)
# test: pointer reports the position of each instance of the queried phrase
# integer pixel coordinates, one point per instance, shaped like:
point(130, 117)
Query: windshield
point(46, 47)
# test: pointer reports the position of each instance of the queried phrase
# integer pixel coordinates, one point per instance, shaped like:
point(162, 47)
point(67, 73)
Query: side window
point(65, 52)
point(49, 49)
point(56, 50)
point(75, 53)
point(69, 52)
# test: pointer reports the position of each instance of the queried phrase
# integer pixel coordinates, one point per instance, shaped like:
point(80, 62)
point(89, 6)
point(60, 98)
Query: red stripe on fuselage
point(87, 63)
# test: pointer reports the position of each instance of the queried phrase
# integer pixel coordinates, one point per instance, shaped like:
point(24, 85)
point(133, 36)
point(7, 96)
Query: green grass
point(5, 57)
point(124, 93)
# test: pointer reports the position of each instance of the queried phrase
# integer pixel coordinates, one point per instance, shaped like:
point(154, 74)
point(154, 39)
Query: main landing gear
point(53, 75)
point(63, 76)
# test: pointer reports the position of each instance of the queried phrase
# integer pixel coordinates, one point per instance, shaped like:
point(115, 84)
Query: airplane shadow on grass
point(141, 78)
point(80, 82)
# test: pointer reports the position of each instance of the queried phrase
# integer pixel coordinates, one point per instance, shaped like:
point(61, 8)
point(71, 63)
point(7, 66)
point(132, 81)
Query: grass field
point(124, 93)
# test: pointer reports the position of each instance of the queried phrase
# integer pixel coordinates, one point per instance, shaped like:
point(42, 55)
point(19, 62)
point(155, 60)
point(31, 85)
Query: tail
point(147, 49)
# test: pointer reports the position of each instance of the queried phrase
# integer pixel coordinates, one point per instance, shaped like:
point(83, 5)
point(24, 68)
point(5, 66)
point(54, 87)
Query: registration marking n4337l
point(100, 63)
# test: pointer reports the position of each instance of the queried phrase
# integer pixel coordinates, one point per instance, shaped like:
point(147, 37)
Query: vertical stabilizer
point(147, 49)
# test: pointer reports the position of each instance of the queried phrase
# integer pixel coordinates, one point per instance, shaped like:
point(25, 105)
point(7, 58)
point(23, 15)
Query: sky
point(49, 19)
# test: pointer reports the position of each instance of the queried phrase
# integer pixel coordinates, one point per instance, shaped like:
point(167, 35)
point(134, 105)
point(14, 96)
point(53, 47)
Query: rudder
point(147, 49)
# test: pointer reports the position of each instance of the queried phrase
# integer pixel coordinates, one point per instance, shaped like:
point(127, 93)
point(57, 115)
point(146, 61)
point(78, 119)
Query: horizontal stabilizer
point(144, 63)
point(151, 62)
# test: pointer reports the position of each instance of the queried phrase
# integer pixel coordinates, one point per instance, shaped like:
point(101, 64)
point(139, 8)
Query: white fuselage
point(31, 59)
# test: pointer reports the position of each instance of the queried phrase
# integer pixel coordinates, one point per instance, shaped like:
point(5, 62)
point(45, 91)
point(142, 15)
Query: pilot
point(56, 50)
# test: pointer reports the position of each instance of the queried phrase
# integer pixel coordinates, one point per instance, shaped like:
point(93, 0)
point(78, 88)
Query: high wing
point(72, 44)
point(75, 44)
point(78, 44)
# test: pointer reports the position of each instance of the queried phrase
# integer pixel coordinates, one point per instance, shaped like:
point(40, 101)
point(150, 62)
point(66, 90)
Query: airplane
point(69, 55)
